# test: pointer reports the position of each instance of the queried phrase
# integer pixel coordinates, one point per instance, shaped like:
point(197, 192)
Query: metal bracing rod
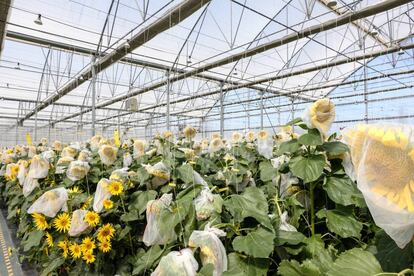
point(168, 102)
point(356, 24)
point(281, 76)
point(330, 24)
point(20, 37)
point(221, 110)
point(172, 17)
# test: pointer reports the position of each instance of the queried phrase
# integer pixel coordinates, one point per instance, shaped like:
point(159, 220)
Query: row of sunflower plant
point(254, 204)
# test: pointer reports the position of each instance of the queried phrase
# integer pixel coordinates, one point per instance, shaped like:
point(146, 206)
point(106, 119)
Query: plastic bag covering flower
point(286, 181)
point(189, 132)
point(69, 151)
point(63, 163)
point(211, 248)
point(32, 151)
point(50, 203)
point(39, 167)
point(120, 175)
point(23, 168)
point(29, 184)
point(207, 203)
point(285, 134)
point(101, 194)
point(383, 164)
point(264, 144)
point(78, 225)
point(250, 136)
point(153, 234)
point(12, 170)
point(284, 225)
point(48, 155)
point(216, 144)
point(85, 156)
point(95, 140)
point(160, 172)
point(139, 148)
point(127, 160)
point(177, 263)
point(107, 154)
point(77, 170)
point(57, 146)
point(236, 137)
point(320, 115)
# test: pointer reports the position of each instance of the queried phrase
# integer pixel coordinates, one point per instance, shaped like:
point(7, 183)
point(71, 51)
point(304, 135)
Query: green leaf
point(290, 146)
point(252, 203)
point(267, 172)
point(322, 257)
point(308, 168)
point(289, 237)
point(245, 266)
point(206, 270)
point(185, 172)
point(168, 219)
point(294, 268)
point(390, 256)
point(130, 216)
point(148, 260)
point(312, 138)
point(52, 266)
point(33, 240)
point(335, 148)
point(294, 121)
point(341, 223)
point(258, 243)
point(140, 199)
point(343, 191)
point(355, 262)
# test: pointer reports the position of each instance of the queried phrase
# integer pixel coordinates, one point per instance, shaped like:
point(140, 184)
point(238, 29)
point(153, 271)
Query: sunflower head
point(75, 250)
point(262, 135)
point(62, 222)
point(92, 218)
point(105, 246)
point(107, 154)
point(250, 136)
point(216, 144)
point(40, 221)
point(89, 257)
point(49, 239)
point(106, 232)
point(88, 245)
point(168, 135)
point(236, 137)
point(108, 204)
point(65, 248)
point(115, 188)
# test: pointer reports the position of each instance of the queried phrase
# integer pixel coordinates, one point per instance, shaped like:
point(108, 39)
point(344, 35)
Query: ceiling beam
point(172, 17)
point(5, 7)
point(330, 24)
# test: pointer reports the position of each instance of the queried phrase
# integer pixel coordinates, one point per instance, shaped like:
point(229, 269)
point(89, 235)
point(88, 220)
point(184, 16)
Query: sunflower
point(250, 136)
point(88, 245)
point(105, 246)
point(262, 135)
point(189, 132)
point(216, 144)
point(106, 232)
point(115, 188)
point(168, 135)
point(87, 203)
point(74, 190)
point(382, 159)
point(108, 204)
point(65, 248)
point(62, 222)
point(40, 221)
point(88, 257)
point(108, 154)
point(75, 250)
point(92, 218)
point(49, 240)
point(236, 137)
point(320, 115)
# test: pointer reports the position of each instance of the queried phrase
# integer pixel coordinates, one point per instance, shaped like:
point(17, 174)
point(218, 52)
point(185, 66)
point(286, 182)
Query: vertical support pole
point(17, 134)
point(35, 128)
point(221, 110)
point(248, 110)
point(261, 110)
point(365, 88)
point(168, 100)
point(93, 96)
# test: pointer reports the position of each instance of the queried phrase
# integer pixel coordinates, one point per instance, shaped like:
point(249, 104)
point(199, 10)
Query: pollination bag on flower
point(286, 181)
point(212, 250)
point(107, 154)
point(264, 144)
point(49, 155)
point(78, 225)
point(139, 148)
point(32, 151)
point(160, 172)
point(175, 263)
point(101, 194)
point(69, 151)
point(207, 203)
point(320, 115)
point(85, 156)
point(23, 169)
point(62, 164)
point(120, 175)
point(284, 225)
point(50, 203)
point(383, 165)
point(77, 170)
point(215, 145)
point(153, 233)
point(39, 167)
point(127, 160)
point(29, 184)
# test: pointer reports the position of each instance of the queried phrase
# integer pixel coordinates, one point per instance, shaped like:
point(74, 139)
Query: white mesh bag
point(207, 203)
point(29, 184)
point(127, 160)
point(153, 234)
point(49, 155)
point(101, 194)
point(284, 225)
point(50, 203)
point(77, 170)
point(78, 225)
point(211, 248)
point(177, 263)
point(62, 164)
point(39, 167)
point(160, 172)
point(383, 165)
point(23, 170)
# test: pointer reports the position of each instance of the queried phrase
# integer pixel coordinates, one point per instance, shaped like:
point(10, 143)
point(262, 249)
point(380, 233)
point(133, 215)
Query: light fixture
point(127, 45)
point(189, 60)
point(374, 32)
point(81, 78)
point(17, 66)
point(331, 3)
point(235, 72)
point(401, 52)
point(38, 20)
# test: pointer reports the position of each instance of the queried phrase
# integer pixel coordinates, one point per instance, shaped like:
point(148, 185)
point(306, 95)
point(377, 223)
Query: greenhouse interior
point(207, 137)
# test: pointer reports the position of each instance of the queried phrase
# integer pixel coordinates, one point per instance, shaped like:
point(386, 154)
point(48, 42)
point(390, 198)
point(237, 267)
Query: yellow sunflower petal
point(380, 190)
point(407, 195)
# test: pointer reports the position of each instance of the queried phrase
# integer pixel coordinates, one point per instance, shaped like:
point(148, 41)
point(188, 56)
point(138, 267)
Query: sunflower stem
point(129, 234)
point(312, 202)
